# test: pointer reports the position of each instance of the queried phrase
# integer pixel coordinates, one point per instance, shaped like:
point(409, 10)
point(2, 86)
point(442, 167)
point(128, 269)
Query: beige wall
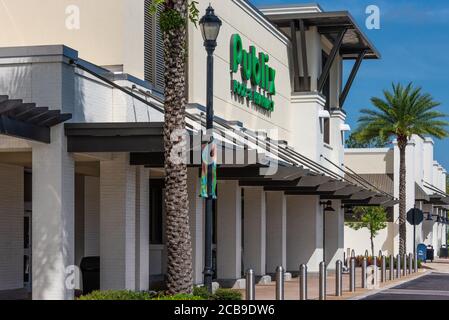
point(370, 161)
point(100, 38)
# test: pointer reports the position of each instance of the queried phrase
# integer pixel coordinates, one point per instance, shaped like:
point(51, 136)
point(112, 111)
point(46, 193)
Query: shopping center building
point(425, 190)
point(81, 147)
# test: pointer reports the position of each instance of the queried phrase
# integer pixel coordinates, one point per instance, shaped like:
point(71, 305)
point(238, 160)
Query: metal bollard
point(404, 266)
point(415, 263)
point(303, 282)
point(391, 267)
point(279, 283)
point(398, 266)
point(364, 266)
point(352, 275)
point(250, 285)
point(410, 263)
point(383, 271)
point(338, 278)
point(322, 282)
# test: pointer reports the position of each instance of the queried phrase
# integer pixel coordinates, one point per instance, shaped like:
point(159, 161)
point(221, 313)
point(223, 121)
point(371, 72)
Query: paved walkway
point(267, 292)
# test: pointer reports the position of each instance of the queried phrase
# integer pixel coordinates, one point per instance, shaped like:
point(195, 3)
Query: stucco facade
point(425, 178)
point(105, 203)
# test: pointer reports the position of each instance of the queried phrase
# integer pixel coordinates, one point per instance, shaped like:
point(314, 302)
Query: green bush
point(199, 293)
point(202, 292)
point(180, 296)
point(117, 295)
point(370, 260)
point(227, 294)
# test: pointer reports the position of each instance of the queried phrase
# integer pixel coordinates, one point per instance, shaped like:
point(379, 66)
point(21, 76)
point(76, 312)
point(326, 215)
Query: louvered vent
point(154, 49)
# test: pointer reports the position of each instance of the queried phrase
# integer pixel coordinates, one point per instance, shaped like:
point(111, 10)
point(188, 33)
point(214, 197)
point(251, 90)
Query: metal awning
point(115, 137)
point(420, 194)
point(27, 121)
point(144, 142)
point(437, 199)
point(330, 24)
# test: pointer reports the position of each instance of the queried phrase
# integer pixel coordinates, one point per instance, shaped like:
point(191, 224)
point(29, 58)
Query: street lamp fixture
point(327, 207)
point(210, 28)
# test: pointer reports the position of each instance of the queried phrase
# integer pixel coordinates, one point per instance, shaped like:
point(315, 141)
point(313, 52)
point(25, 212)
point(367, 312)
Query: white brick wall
point(11, 227)
point(53, 218)
point(117, 223)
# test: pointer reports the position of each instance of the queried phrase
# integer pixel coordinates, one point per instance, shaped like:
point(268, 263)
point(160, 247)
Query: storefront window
point(156, 211)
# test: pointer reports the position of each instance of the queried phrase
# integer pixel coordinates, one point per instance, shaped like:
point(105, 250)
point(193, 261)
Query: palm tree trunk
point(402, 145)
point(178, 241)
point(372, 244)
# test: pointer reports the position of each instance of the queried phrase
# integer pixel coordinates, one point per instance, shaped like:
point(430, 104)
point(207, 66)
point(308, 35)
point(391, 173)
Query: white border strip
point(263, 20)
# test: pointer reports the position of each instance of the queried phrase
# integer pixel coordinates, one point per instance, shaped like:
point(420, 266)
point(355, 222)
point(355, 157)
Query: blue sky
point(414, 42)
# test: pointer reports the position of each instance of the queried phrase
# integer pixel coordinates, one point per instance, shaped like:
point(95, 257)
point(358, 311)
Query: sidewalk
point(267, 292)
point(438, 265)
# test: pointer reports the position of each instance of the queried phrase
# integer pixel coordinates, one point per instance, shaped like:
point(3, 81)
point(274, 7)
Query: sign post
point(415, 216)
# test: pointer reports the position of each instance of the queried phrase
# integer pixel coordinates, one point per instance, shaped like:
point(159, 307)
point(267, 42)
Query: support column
point(276, 230)
point(255, 231)
point(229, 234)
point(304, 233)
point(117, 223)
point(196, 212)
point(53, 219)
point(142, 228)
point(335, 222)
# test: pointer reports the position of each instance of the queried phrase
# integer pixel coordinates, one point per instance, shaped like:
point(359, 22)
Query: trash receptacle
point(443, 252)
point(90, 268)
point(430, 253)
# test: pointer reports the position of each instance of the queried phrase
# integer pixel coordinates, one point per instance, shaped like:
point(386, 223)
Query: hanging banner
point(209, 159)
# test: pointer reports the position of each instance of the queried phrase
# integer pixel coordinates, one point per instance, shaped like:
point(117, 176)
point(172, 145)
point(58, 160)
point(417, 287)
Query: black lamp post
point(210, 28)
point(327, 207)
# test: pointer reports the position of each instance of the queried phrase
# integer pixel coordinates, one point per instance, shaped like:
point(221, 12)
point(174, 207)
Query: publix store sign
point(258, 79)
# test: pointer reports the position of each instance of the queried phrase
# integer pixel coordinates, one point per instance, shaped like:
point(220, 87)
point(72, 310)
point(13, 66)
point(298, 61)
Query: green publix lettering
point(254, 68)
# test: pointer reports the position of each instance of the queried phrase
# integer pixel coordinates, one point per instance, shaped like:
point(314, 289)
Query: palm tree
point(173, 21)
point(401, 113)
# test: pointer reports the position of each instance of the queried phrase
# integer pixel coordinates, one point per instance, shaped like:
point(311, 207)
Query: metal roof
point(330, 24)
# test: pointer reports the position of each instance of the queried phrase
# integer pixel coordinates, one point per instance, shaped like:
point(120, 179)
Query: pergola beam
point(327, 67)
point(351, 78)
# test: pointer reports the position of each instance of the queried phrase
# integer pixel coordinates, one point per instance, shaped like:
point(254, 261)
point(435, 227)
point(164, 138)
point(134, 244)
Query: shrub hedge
point(199, 293)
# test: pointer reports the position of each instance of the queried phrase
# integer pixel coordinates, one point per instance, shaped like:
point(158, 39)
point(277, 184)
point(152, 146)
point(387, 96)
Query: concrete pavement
point(434, 285)
point(267, 291)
